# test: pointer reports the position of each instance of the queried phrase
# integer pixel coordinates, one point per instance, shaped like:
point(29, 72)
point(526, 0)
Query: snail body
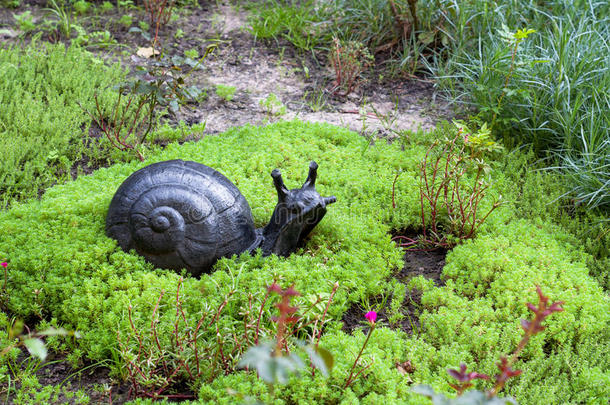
point(180, 214)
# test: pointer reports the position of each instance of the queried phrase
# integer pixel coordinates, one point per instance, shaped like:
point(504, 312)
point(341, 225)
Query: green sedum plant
point(272, 105)
point(57, 246)
point(464, 379)
point(42, 127)
point(225, 92)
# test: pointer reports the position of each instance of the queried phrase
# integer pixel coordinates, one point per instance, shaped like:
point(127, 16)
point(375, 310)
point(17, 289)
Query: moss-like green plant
point(57, 248)
point(81, 6)
point(88, 282)
point(25, 21)
point(272, 105)
point(41, 125)
point(191, 53)
point(126, 20)
point(223, 91)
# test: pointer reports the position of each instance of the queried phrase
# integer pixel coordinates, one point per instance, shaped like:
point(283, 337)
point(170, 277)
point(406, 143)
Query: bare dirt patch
point(427, 263)
point(272, 79)
point(274, 82)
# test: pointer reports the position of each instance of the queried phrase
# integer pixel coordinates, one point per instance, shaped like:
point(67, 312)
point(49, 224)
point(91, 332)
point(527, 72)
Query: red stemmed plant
point(464, 379)
point(447, 191)
point(154, 365)
point(273, 361)
point(159, 13)
point(371, 318)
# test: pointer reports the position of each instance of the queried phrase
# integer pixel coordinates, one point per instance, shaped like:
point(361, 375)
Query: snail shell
point(180, 214)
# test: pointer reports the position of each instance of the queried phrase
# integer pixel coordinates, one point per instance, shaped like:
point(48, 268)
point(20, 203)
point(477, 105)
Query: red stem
point(394, 190)
point(351, 374)
point(260, 314)
point(153, 328)
point(319, 335)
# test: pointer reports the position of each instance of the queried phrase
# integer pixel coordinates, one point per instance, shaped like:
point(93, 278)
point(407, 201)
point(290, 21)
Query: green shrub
point(57, 246)
point(25, 21)
point(126, 20)
point(81, 6)
point(43, 128)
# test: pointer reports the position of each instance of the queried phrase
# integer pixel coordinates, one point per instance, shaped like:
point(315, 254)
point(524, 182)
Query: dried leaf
point(148, 52)
point(405, 368)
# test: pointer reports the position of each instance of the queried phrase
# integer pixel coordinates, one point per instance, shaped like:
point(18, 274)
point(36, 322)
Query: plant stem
point(351, 377)
point(508, 76)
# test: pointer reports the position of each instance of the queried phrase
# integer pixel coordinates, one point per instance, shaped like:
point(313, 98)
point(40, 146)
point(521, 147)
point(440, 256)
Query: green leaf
point(272, 369)
point(59, 332)
point(285, 366)
point(428, 391)
point(473, 397)
point(36, 347)
point(54, 332)
point(321, 359)
point(16, 329)
point(476, 397)
point(426, 37)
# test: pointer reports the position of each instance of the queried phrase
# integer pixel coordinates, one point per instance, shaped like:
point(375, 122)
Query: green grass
point(557, 95)
point(57, 246)
point(42, 128)
point(305, 25)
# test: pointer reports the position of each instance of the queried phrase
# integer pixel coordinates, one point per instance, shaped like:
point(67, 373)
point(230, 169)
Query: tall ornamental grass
point(554, 94)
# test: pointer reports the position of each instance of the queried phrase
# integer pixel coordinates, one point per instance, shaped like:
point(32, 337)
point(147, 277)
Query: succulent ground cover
point(62, 267)
point(376, 322)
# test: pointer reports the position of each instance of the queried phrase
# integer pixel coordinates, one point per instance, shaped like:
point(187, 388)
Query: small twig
point(153, 328)
point(351, 377)
point(394, 189)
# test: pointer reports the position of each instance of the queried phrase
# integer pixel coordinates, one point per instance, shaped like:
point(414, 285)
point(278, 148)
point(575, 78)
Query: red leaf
point(274, 288)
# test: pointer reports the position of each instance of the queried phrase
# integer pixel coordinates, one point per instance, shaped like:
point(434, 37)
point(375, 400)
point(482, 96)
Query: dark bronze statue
point(180, 214)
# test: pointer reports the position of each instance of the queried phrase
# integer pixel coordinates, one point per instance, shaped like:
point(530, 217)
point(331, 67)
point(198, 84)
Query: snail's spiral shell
point(180, 214)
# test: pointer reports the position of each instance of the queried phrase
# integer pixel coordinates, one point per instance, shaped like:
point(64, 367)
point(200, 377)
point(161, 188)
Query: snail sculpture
point(180, 214)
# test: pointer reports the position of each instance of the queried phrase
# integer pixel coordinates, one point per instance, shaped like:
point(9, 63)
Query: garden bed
point(87, 283)
point(269, 104)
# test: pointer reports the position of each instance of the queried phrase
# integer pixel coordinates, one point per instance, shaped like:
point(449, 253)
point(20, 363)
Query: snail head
point(297, 212)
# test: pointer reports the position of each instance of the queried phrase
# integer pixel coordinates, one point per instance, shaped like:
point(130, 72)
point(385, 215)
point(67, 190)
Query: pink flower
point(371, 316)
point(4, 264)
